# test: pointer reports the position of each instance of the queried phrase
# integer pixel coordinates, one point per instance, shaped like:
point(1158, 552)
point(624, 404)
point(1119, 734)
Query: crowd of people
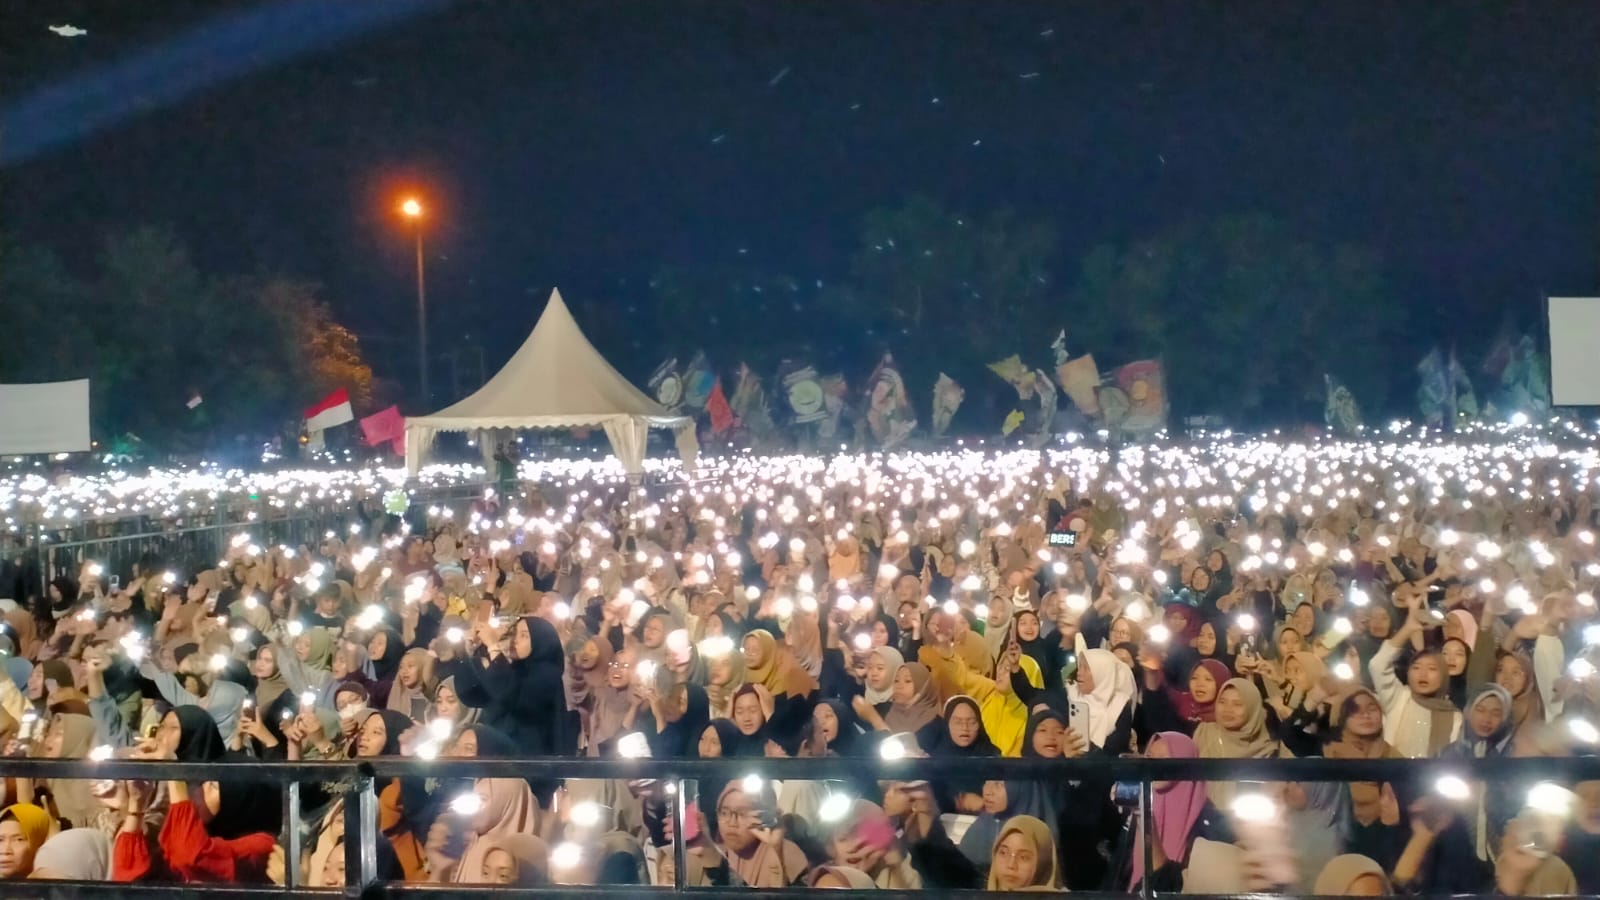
point(1264, 600)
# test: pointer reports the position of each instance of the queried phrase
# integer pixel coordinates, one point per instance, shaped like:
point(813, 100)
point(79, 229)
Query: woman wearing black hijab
point(245, 807)
point(679, 738)
point(385, 648)
point(752, 721)
point(521, 693)
point(228, 841)
point(963, 737)
point(840, 737)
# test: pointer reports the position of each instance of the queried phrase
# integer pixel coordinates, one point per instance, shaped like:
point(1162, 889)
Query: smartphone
point(1078, 718)
point(116, 583)
point(1534, 838)
point(877, 834)
point(1125, 794)
point(1435, 605)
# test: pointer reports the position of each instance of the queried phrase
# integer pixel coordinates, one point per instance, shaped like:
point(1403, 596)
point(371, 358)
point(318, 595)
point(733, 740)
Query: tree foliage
point(1246, 317)
point(150, 331)
point(959, 285)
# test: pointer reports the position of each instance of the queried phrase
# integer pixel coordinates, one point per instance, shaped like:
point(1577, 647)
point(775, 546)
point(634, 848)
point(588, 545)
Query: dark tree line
point(151, 331)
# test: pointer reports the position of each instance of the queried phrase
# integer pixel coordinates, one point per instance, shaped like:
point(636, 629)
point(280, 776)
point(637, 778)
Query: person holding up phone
point(753, 840)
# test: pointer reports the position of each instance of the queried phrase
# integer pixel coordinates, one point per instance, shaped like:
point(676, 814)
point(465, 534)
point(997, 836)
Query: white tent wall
point(628, 438)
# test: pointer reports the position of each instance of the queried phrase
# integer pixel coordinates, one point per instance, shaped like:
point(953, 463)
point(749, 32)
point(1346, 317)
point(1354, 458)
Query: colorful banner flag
point(834, 393)
point(1016, 374)
point(667, 385)
point(1047, 407)
point(721, 413)
point(1524, 385)
point(332, 410)
point(947, 397)
point(1494, 364)
point(749, 403)
point(1079, 378)
point(698, 379)
point(385, 426)
point(1145, 384)
point(1341, 414)
point(806, 399)
point(1433, 392)
point(889, 414)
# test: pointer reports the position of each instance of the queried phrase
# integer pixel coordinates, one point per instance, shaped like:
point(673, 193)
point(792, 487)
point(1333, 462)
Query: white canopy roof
point(556, 380)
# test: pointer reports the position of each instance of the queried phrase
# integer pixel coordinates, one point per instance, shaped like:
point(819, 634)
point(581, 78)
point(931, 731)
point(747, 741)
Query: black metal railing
point(197, 538)
point(357, 776)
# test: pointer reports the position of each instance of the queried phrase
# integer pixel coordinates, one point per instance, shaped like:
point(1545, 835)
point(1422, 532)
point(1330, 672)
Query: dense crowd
point(1245, 600)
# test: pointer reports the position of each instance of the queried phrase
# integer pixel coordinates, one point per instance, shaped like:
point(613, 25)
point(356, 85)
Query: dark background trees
point(151, 331)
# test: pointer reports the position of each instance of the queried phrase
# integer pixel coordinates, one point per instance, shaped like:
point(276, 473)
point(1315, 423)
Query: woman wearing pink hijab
point(1179, 813)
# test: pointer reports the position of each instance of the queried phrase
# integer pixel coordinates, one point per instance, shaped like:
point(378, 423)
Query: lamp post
point(411, 208)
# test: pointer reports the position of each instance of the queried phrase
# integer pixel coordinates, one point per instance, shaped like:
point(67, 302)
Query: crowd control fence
point(356, 778)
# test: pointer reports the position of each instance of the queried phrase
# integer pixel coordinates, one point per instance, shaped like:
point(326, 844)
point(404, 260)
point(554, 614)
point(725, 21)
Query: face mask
point(350, 712)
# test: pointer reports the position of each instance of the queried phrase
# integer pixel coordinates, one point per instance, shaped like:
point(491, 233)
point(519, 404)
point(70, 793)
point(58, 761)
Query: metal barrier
point(198, 538)
point(360, 816)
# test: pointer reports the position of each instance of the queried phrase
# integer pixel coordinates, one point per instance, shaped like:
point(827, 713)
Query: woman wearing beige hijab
point(1239, 732)
point(1024, 857)
point(413, 684)
point(1352, 875)
point(71, 736)
point(506, 807)
point(757, 851)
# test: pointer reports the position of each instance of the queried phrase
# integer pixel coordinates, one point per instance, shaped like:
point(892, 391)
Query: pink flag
point(385, 425)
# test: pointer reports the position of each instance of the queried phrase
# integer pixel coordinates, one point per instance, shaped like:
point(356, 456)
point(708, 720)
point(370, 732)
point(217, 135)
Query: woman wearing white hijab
point(1106, 685)
point(878, 685)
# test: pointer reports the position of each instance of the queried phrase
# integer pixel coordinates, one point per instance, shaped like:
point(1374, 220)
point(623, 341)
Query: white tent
point(557, 380)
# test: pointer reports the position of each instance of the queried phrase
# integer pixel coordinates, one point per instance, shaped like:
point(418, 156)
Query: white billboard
point(44, 418)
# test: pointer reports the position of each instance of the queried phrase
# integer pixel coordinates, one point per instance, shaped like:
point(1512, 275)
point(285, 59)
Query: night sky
point(588, 144)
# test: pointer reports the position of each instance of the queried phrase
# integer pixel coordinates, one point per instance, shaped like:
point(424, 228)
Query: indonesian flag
point(333, 409)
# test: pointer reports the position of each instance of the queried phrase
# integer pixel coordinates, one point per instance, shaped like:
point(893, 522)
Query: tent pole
point(635, 495)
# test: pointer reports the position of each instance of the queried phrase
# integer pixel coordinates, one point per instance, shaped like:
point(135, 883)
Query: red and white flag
point(332, 410)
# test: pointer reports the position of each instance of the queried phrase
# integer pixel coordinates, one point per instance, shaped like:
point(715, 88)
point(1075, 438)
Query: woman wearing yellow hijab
point(774, 667)
point(23, 830)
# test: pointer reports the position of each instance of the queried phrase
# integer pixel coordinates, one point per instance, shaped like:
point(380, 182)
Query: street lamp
point(411, 208)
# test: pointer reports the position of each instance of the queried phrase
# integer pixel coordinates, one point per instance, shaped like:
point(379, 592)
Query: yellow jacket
point(1005, 717)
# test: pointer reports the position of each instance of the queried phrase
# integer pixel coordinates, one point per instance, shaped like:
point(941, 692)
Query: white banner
point(44, 418)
